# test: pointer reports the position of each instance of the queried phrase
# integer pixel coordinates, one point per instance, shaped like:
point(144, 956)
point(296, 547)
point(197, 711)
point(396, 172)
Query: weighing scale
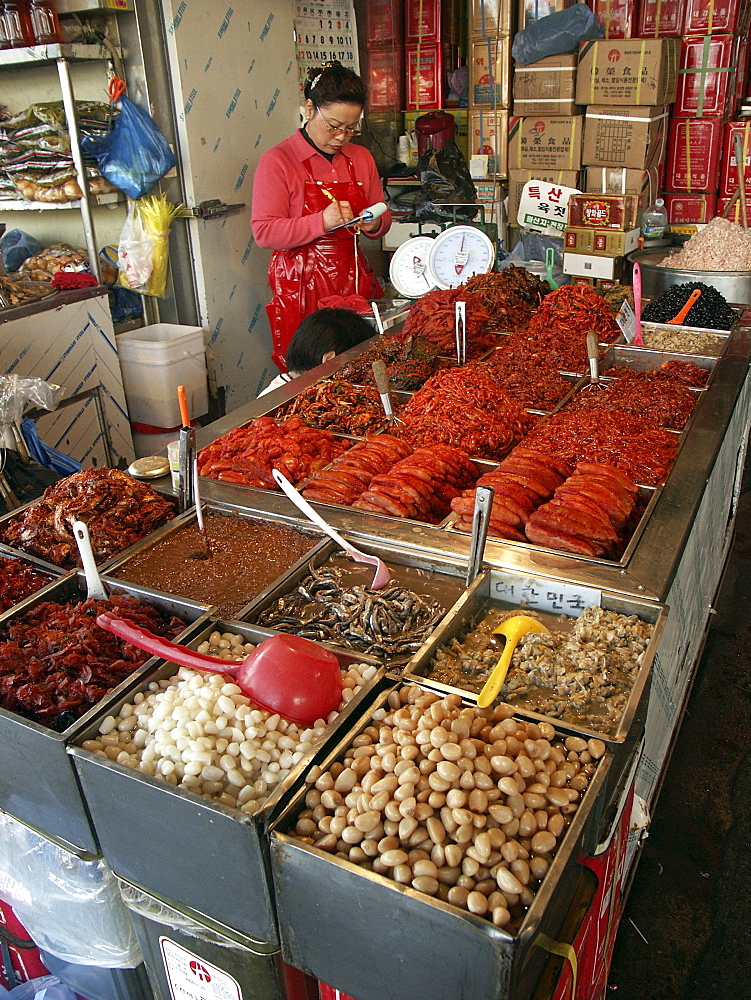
point(424, 263)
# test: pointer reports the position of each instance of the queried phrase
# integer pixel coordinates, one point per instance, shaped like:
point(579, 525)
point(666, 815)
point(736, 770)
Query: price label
point(626, 320)
point(191, 977)
point(547, 595)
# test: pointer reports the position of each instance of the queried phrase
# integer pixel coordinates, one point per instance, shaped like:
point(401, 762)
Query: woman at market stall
point(303, 189)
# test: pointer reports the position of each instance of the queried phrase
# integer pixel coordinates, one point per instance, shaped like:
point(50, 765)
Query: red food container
point(383, 23)
point(728, 172)
point(659, 18)
point(426, 90)
point(422, 21)
point(735, 211)
point(706, 77)
point(384, 77)
point(684, 209)
point(24, 955)
point(618, 17)
point(715, 17)
point(693, 154)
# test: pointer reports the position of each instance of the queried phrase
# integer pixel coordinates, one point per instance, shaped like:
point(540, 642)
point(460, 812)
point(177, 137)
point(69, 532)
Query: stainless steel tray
point(38, 784)
point(116, 569)
point(550, 598)
point(441, 575)
point(181, 846)
point(368, 936)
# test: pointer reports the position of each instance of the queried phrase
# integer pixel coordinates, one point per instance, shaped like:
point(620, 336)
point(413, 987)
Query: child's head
point(322, 335)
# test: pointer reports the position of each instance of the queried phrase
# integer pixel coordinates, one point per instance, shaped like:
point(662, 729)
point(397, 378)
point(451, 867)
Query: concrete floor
point(686, 930)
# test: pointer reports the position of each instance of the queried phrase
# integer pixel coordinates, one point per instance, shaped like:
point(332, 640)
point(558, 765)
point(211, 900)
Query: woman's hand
point(336, 213)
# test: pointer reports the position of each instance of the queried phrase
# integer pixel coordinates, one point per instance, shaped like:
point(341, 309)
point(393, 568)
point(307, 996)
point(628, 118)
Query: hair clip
point(315, 81)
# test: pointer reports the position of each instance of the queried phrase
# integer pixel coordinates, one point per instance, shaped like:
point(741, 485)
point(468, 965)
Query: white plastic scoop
point(382, 575)
point(94, 586)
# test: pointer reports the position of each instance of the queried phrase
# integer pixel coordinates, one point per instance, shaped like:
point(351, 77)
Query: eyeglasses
point(340, 129)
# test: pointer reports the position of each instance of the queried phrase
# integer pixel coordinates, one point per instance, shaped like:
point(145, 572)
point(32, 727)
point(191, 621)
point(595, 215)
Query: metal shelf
point(22, 205)
point(40, 54)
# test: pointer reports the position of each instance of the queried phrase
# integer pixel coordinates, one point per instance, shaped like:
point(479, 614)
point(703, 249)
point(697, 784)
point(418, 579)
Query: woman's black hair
point(334, 83)
point(325, 330)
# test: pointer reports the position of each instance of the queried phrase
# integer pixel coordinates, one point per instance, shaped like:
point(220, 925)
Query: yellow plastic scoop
point(513, 628)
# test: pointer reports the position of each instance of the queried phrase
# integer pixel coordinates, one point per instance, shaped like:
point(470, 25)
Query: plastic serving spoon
point(285, 673)
point(382, 575)
point(94, 586)
point(636, 281)
point(549, 262)
point(513, 628)
point(685, 309)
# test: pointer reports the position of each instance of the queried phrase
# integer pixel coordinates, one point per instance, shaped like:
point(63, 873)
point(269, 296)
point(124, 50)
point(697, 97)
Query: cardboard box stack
point(712, 78)
point(626, 85)
point(492, 24)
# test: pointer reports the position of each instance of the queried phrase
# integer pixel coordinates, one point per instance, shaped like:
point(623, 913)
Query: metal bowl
point(734, 285)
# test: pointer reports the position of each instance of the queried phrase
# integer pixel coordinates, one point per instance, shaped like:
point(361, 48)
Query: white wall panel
point(234, 82)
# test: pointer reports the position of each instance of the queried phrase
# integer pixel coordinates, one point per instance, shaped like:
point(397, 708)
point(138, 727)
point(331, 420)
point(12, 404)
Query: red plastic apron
point(332, 264)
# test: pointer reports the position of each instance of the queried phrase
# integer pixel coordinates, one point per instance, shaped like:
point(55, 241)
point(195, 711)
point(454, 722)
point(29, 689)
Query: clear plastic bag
point(70, 906)
point(135, 154)
point(43, 988)
point(556, 33)
point(134, 253)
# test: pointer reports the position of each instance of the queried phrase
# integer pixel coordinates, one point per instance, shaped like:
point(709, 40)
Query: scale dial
point(408, 271)
point(459, 253)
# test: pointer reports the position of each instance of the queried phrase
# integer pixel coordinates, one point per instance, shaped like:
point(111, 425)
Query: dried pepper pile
point(56, 662)
point(511, 296)
point(682, 371)
point(635, 445)
point(434, 317)
point(533, 382)
point(466, 408)
point(558, 330)
point(668, 403)
point(338, 406)
point(246, 455)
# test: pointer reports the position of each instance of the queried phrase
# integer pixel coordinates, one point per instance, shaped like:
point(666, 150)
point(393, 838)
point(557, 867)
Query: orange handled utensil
point(183, 401)
point(686, 309)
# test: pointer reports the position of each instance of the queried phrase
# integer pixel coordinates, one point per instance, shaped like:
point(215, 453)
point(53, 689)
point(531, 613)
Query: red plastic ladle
point(286, 674)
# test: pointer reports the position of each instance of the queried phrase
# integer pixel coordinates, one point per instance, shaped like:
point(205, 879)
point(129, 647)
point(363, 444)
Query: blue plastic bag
point(16, 246)
point(43, 988)
point(556, 33)
point(134, 155)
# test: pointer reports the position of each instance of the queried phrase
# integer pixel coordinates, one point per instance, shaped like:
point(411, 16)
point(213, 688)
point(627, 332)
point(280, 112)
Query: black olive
point(711, 310)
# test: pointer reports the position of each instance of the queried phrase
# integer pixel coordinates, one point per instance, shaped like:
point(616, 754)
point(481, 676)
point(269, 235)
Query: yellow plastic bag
point(143, 251)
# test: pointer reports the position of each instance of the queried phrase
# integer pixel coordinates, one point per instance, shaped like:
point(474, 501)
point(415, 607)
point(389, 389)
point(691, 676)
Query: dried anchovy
point(584, 676)
point(393, 622)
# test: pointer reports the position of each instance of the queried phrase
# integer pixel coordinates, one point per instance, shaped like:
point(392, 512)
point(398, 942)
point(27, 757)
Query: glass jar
point(17, 23)
point(44, 22)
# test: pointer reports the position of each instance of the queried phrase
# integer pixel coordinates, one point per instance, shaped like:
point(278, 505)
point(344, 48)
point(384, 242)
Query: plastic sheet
point(16, 392)
point(135, 154)
point(151, 908)
point(556, 33)
point(43, 988)
point(70, 905)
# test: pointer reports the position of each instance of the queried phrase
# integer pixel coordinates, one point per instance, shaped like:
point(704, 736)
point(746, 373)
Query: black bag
point(446, 181)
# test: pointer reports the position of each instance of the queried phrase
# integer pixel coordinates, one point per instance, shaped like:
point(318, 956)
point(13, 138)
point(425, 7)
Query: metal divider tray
point(715, 338)
point(443, 578)
point(645, 359)
point(551, 599)
point(370, 937)
point(116, 569)
point(38, 784)
point(187, 849)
